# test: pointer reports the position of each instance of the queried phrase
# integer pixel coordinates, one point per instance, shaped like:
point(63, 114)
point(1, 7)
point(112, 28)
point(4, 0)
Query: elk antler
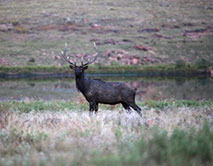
point(93, 60)
point(63, 53)
point(67, 58)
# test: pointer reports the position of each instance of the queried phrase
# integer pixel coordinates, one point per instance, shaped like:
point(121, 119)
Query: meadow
point(150, 38)
point(62, 133)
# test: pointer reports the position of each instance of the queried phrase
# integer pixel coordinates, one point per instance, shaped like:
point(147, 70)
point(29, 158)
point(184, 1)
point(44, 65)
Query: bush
point(202, 64)
point(183, 148)
point(180, 63)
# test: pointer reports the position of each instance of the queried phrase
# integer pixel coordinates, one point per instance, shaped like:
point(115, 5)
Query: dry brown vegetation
point(73, 138)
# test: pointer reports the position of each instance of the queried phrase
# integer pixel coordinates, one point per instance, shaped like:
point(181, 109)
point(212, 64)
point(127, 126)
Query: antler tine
point(94, 44)
point(95, 47)
point(82, 61)
point(63, 53)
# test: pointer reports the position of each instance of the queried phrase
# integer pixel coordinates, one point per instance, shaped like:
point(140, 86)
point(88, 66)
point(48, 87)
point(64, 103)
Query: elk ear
point(71, 67)
point(85, 67)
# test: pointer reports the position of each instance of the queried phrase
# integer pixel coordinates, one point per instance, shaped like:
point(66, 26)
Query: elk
point(97, 91)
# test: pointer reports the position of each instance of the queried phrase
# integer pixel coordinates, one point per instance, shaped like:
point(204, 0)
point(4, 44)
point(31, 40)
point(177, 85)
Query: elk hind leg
point(126, 107)
point(136, 108)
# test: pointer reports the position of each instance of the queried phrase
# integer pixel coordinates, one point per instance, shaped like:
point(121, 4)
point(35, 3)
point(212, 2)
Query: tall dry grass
point(72, 137)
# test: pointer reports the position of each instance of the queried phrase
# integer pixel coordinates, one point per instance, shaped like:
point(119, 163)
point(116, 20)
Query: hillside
point(136, 32)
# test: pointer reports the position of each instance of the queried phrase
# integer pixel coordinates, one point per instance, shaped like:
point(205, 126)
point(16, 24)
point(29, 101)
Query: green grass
point(28, 106)
point(178, 69)
point(185, 148)
point(41, 106)
point(32, 69)
point(177, 103)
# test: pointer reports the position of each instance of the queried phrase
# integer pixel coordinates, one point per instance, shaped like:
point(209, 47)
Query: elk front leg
point(92, 107)
point(96, 109)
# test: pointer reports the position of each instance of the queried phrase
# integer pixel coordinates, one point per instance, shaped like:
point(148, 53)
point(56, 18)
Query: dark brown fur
point(97, 91)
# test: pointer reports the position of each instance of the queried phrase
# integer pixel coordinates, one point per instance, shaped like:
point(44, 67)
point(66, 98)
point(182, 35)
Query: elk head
point(79, 69)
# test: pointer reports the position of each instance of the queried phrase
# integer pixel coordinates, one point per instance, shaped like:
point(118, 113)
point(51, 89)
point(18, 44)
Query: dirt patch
point(198, 33)
point(125, 57)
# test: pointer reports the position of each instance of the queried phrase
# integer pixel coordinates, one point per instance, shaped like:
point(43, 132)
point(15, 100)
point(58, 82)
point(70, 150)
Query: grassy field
point(33, 32)
point(62, 133)
point(158, 37)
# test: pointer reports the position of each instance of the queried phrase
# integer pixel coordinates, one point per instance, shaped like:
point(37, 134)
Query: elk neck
point(81, 83)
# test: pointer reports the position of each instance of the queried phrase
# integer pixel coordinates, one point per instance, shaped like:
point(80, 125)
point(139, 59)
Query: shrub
point(180, 63)
point(185, 148)
point(202, 64)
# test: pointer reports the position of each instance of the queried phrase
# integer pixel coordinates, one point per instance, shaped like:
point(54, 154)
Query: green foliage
point(203, 64)
point(151, 70)
point(108, 160)
point(33, 69)
point(32, 60)
point(186, 148)
point(194, 144)
point(14, 135)
point(180, 63)
point(42, 106)
point(176, 103)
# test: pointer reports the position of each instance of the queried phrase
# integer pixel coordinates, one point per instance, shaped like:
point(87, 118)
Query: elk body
point(98, 91)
